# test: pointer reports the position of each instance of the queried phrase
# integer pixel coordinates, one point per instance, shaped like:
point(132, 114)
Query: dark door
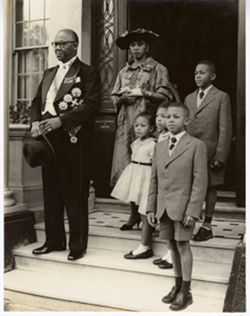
point(192, 30)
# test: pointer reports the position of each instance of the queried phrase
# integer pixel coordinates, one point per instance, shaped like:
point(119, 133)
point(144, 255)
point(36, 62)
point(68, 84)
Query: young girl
point(164, 262)
point(133, 184)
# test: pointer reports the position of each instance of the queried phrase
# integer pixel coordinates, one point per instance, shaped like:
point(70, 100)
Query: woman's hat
point(39, 151)
point(126, 38)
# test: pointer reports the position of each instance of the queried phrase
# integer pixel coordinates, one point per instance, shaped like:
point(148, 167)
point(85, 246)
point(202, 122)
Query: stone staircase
point(104, 281)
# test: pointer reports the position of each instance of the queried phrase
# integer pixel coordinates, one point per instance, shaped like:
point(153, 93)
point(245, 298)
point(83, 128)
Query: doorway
point(190, 31)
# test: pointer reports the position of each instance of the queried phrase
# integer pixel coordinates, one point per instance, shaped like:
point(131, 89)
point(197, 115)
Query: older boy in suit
point(210, 121)
point(64, 109)
point(177, 190)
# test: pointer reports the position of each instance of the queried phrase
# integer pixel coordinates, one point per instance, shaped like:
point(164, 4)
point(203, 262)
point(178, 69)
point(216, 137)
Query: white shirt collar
point(205, 90)
point(68, 63)
point(177, 136)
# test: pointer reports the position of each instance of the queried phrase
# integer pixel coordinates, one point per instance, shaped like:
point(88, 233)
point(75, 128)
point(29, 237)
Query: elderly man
point(64, 109)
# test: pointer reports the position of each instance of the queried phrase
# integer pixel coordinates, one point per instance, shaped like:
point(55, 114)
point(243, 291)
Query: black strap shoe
point(181, 301)
point(144, 255)
point(165, 265)
point(171, 296)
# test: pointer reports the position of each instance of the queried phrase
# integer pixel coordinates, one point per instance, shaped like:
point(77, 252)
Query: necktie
point(173, 140)
point(201, 95)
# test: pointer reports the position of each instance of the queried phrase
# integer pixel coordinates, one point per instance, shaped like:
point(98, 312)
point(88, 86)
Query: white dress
point(133, 184)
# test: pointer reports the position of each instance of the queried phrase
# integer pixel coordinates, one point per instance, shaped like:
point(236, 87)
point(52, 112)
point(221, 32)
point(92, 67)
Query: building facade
point(190, 30)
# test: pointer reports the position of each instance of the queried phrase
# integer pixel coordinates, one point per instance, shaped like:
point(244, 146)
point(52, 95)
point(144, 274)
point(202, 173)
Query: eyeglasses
point(61, 44)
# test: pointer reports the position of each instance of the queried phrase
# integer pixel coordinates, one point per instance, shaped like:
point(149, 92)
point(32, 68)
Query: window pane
point(46, 33)
point(36, 33)
point(22, 10)
point(39, 60)
point(36, 9)
point(47, 9)
point(35, 80)
point(22, 34)
point(23, 83)
point(23, 62)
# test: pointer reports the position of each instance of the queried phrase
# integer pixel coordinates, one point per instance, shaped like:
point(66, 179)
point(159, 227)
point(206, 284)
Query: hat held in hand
point(39, 151)
point(124, 40)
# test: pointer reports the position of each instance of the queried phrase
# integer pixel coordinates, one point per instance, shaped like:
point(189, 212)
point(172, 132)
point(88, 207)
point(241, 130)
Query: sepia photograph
point(124, 156)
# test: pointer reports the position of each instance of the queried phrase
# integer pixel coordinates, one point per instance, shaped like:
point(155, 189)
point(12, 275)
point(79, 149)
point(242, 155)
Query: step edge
point(197, 277)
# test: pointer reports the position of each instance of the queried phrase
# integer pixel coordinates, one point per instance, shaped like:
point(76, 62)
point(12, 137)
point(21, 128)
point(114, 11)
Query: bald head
point(72, 34)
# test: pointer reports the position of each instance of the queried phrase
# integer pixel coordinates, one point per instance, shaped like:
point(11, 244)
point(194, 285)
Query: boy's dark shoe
point(171, 296)
point(181, 301)
point(204, 234)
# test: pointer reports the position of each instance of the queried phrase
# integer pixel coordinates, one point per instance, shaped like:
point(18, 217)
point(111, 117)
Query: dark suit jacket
point(178, 182)
point(85, 79)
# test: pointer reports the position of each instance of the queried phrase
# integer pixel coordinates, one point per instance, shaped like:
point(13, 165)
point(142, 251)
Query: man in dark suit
point(64, 108)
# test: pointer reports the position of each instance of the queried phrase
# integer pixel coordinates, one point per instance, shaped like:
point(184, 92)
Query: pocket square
point(78, 79)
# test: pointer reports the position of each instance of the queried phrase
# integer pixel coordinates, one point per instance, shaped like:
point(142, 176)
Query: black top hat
point(39, 151)
point(126, 38)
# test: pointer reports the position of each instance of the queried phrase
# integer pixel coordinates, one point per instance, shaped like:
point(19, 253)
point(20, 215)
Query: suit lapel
point(208, 99)
point(193, 101)
point(47, 83)
point(180, 148)
point(68, 80)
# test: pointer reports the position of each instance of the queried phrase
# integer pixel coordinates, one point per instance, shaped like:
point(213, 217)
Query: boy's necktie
point(173, 141)
point(201, 95)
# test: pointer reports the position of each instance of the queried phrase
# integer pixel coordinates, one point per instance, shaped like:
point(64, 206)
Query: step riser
point(215, 289)
point(125, 245)
point(219, 212)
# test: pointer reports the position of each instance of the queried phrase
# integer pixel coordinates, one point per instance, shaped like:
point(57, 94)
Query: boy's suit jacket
point(211, 122)
point(178, 182)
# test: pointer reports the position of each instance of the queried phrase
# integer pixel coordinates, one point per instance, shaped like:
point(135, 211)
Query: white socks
point(167, 256)
point(140, 249)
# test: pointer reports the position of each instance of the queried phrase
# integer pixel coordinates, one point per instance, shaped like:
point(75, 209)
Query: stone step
point(226, 210)
point(26, 302)
point(105, 278)
point(104, 233)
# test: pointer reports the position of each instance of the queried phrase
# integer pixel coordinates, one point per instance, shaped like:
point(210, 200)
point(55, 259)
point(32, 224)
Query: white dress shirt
point(55, 85)
point(199, 99)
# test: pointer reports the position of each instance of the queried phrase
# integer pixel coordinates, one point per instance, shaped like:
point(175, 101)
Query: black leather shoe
point(171, 296)
point(204, 234)
point(158, 261)
point(182, 301)
point(47, 249)
point(165, 265)
point(144, 255)
point(75, 255)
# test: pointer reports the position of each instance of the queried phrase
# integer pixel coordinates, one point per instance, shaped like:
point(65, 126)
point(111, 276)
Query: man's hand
point(35, 130)
point(188, 221)
point(49, 125)
point(215, 164)
point(152, 219)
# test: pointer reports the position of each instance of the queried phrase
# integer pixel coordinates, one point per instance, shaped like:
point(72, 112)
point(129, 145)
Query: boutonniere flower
point(63, 105)
point(78, 79)
point(68, 98)
point(76, 92)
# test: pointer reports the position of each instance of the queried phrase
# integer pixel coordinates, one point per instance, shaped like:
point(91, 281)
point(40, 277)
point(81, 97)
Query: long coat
point(212, 123)
point(66, 182)
point(178, 182)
